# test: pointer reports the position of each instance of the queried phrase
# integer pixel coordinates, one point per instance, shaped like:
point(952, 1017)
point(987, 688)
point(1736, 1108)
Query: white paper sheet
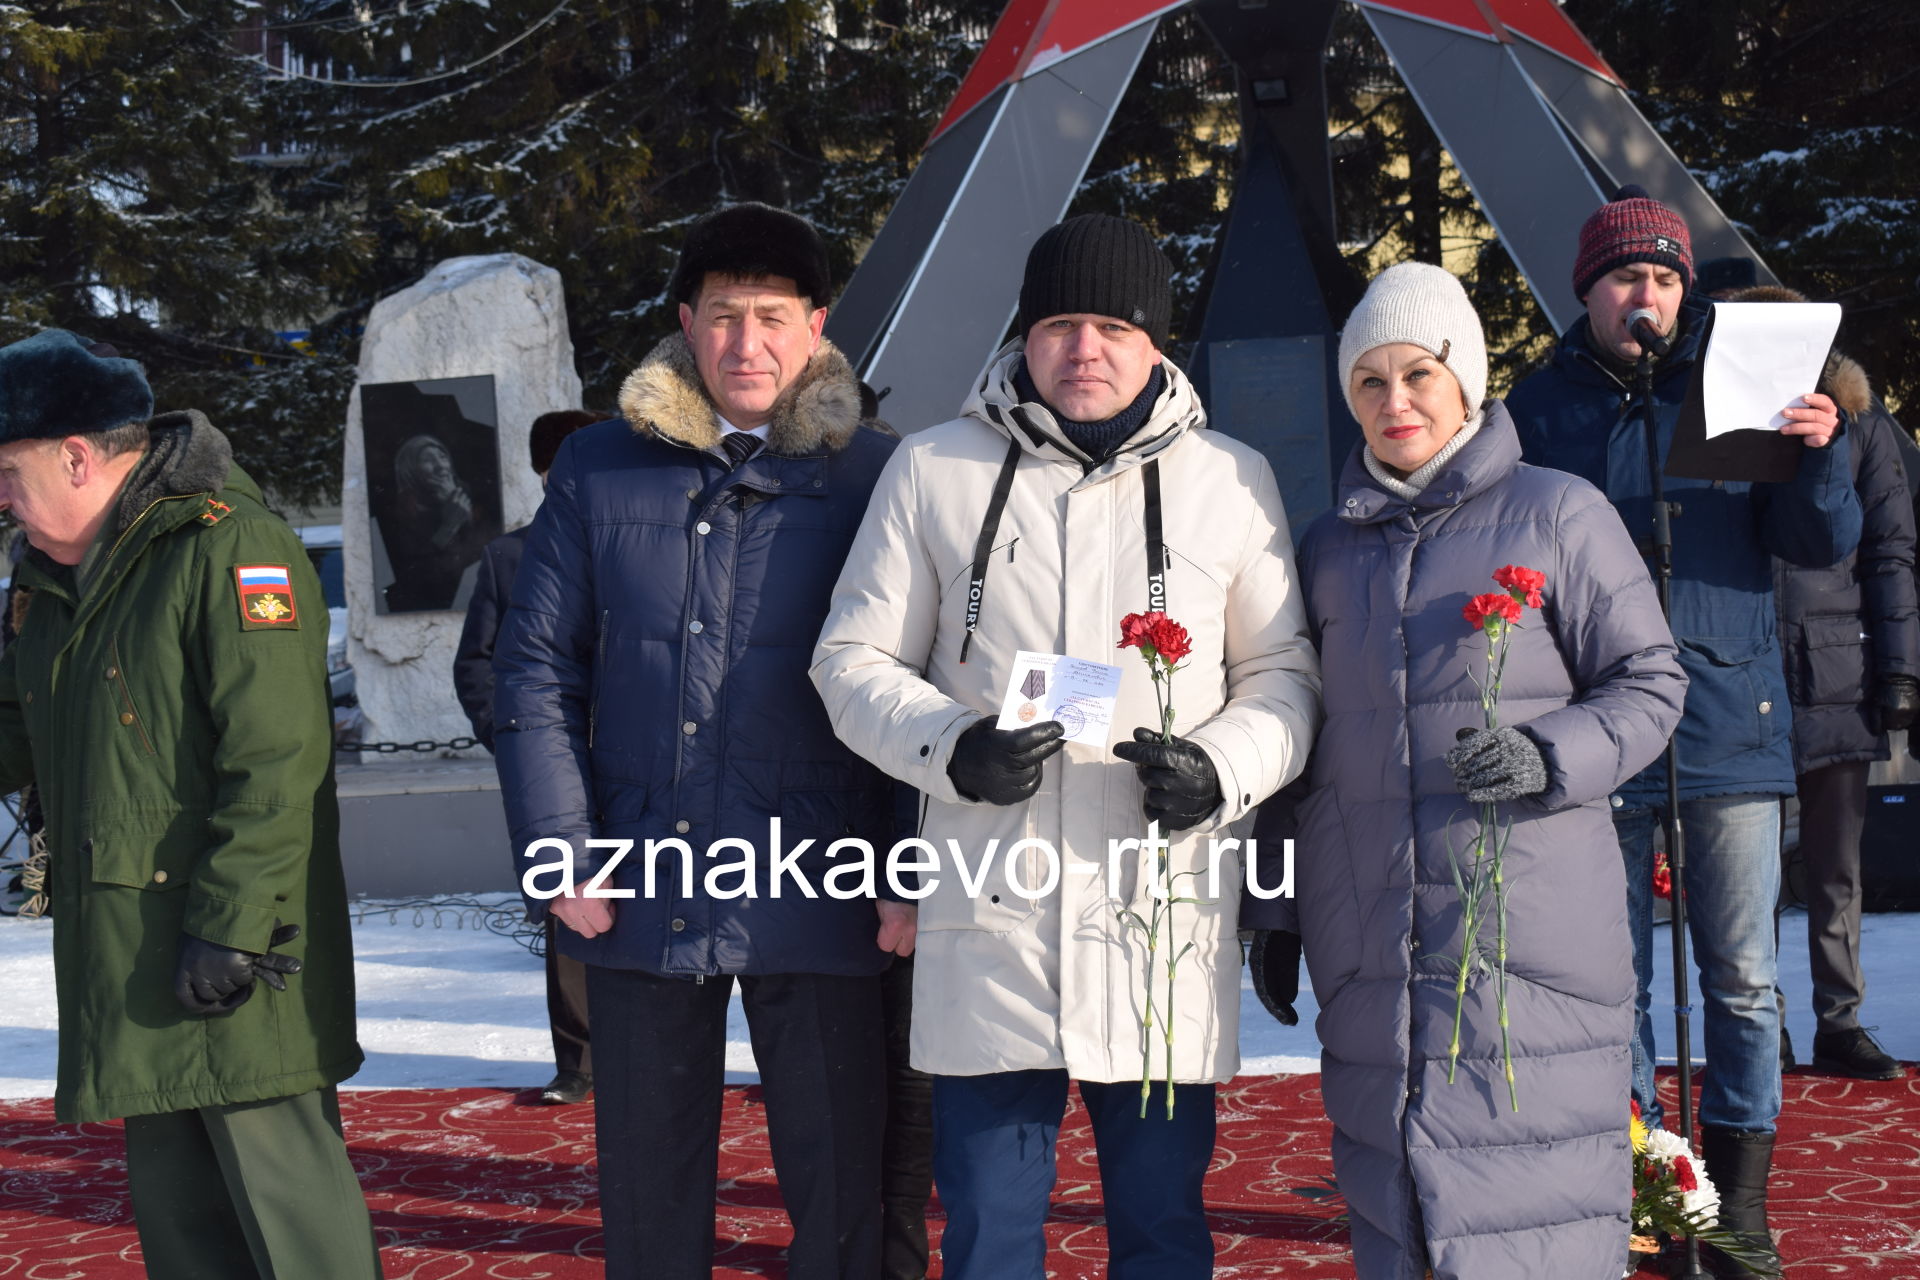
point(1051, 686)
point(1761, 358)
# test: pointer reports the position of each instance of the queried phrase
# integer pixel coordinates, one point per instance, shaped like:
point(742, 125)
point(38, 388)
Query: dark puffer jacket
point(1844, 628)
point(1437, 1174)
point(1576, 416)
point(651, 674)
point(473, 659)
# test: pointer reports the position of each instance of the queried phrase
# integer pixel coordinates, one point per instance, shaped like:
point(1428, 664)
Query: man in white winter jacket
point(1078, 485)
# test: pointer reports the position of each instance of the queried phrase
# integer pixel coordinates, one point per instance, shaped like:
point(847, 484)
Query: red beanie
point(1632, 227)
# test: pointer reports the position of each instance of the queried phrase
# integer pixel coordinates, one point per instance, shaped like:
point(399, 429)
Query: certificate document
point(1051, 686)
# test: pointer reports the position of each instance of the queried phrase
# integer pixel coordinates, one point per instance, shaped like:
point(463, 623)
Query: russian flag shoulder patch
point(266, 597)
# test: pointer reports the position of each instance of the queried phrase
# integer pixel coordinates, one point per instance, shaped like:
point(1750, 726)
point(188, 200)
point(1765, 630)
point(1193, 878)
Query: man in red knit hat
point(1582, 414)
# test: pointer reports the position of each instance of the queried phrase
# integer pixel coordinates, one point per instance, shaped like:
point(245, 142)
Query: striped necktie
point(740, 446)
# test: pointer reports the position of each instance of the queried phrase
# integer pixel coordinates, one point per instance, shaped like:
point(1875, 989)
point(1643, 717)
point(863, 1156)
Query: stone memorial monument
point(415, 823)
point(500, 315)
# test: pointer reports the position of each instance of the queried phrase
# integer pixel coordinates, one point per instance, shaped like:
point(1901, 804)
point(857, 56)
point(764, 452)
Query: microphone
point(1644, 324)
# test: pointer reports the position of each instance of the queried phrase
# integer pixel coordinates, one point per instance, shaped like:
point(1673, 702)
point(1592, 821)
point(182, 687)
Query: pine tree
point(1803, 121)
point(589, 135)
point(1170, 155)
point(1399, 197)
point(132, 217)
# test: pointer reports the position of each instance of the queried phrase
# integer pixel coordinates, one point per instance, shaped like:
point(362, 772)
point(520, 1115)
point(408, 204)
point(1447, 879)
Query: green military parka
point(176, 722)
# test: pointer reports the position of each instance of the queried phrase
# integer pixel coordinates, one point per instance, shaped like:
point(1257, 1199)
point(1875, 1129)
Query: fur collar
point(1843, 378)
point(187, 454)
point(1847, 383)
point(664, 397)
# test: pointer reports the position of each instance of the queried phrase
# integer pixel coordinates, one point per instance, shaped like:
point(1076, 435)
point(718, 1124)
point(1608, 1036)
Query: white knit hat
point(1422, 304)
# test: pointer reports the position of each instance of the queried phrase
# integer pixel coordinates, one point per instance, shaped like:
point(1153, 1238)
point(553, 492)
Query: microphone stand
point(1663, 513)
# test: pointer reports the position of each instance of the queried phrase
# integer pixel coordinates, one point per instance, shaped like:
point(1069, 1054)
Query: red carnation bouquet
point(1478, 876)
point(1164, 644)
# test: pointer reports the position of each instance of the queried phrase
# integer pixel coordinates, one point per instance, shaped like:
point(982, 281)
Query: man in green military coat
point(167, 694)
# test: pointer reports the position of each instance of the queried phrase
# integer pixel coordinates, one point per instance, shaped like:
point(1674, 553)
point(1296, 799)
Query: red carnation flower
point(1134, 628)
point(1491, 610)
point(1635, 1104)
point(1155, 635)
point(1525, 584)
point(1662, 877)
point(1683, 1174)
point(1169, 640)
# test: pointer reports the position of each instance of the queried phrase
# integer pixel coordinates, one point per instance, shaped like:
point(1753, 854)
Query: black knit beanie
point(1099, 265)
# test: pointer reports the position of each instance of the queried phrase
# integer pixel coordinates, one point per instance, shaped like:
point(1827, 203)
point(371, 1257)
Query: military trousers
point(249, 1191)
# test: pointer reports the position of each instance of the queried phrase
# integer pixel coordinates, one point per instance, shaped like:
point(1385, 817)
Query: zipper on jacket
point(172, 497)
point(86, 604)
point(599, 652)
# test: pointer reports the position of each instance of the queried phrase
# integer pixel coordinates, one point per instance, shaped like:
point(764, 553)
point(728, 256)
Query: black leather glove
point(1273, 957)
point(1182, 788)
point(1503, 764)
point(1002, 766)
point(213, 980)
point(1896, 702)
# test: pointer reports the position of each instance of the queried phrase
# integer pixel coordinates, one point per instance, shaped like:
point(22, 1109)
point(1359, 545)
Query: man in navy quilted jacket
point(1735, 756)
point(651, 686)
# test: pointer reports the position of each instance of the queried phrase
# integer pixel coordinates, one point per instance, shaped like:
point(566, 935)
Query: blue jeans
point(1733, 883)
point(993, 1161)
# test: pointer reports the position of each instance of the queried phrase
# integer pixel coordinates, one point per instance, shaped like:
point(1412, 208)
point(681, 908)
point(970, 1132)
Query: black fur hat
point(54, 385)
point(550, 430)
point(751, 240)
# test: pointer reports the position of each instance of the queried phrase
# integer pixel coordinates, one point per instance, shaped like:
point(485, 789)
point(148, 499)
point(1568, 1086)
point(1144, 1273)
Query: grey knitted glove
point(1502, 765)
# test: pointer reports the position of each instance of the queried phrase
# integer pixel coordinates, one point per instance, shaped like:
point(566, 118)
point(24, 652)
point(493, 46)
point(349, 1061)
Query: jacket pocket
point(599, 676)
point(156, 856)
point(128, 712)
point(1835, 655)
point(1196, 584)
point(1735, 699)
point(971, 844)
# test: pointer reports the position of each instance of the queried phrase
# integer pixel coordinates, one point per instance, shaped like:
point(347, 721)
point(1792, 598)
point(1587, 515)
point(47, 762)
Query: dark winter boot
point(1853, 1053)
point(1738, 1161)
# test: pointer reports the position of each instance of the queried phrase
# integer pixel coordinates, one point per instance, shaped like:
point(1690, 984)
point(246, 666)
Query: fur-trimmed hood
point(664, 397)
point(1843, 378)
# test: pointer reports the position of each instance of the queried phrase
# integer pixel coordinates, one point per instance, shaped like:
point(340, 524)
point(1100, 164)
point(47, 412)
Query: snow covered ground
point(445, 1002)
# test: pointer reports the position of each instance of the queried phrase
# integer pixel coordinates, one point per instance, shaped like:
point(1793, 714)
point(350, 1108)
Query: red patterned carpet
point(468, 1183)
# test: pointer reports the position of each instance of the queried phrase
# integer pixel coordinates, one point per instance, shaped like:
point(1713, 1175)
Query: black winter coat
point(1845, 627)
point(652, 676)
point(473, 660)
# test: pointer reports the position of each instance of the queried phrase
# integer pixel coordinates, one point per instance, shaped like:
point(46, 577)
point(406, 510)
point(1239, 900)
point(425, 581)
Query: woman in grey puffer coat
point(1445, 1175)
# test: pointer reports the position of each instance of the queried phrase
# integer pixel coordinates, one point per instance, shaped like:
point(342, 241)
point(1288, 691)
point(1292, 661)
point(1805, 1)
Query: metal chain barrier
point(391, 748)
point(507, 919)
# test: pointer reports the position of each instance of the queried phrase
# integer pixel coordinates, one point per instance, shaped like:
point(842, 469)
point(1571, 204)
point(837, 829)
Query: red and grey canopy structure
point(938, 287)
point(1538, 123)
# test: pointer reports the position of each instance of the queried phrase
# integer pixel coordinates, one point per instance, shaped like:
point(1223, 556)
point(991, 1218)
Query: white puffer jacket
point(1004, 983)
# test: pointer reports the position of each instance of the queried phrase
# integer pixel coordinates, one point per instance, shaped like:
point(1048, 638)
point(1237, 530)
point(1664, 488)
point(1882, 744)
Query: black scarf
point(1098, 440)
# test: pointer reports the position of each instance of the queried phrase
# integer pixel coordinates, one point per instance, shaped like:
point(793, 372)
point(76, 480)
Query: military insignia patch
point(216, 510)
point(266, 598)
